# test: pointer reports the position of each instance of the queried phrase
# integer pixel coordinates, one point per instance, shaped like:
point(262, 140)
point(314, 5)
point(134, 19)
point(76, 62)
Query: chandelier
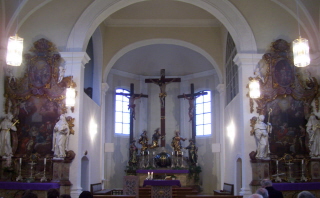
point(14, 50)
point(254, 88)
point(70, 97)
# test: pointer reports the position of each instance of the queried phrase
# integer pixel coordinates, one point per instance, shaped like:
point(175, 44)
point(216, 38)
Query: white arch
point(224, 11)
point(160, 41)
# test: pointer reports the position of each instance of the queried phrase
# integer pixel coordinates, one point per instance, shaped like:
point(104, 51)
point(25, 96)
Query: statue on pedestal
point(193, 152)
point(143, 140)
point(133, 152)
point(5, 137)
point(176, 143)
point(261, 131)
point(313, 129)
point(155, 138)
point(61, 134)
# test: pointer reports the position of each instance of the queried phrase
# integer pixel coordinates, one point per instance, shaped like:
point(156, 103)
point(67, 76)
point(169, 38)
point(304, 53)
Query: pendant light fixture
point(15, 47)
point(254, 88)
point(300, 48)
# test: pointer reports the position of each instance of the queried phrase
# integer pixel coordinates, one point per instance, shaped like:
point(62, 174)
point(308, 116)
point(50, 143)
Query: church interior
point(162, 91)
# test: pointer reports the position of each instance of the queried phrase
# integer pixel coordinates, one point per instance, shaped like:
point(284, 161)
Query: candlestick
point(45, 161)
point(302, 161)
point(148, 175)
point(20, 160)
point(151, 175)
point(277, 162)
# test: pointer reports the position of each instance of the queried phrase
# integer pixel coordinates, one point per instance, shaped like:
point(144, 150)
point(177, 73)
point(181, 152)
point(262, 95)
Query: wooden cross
point(162, 82)
point(192, 107)
point(132, 97)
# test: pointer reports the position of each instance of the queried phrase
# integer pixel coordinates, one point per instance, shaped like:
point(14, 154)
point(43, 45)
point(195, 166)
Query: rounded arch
point(224, 11)
point(160, 41)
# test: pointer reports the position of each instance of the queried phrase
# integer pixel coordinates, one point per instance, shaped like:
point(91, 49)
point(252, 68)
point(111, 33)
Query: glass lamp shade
point(14, 50)
point(254, 89)
point(70, 97)
point(300, 48)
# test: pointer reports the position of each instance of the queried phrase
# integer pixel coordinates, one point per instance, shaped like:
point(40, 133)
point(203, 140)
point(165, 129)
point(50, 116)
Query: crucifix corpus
point(162, 82)
point(192, 107)
point(132, 97)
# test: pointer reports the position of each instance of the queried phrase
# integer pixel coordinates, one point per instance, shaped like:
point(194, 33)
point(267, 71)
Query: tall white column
point(222, 91)
point(75, 62)
point(246, 64)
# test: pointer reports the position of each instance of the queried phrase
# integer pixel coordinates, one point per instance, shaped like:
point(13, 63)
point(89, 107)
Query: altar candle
point(148, 174)
point(20, 160)
point(277, 162)
point(181, 153)
point(302, 161)
point(151, 175)
point(45, 161)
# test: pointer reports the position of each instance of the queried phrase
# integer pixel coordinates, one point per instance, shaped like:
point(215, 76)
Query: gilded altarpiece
point(288, 97)
point(37, 100)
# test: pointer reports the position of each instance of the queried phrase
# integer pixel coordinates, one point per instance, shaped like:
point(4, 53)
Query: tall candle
point(151, 175)
point(181, 153)
point(20, 160)
point(45, 161)
point(148, 175)
point(277, 162)
point(302, 161)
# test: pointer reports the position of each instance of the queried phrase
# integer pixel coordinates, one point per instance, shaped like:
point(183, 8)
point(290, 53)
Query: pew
point(214, 196)
point(96, 189)
point(114, 196)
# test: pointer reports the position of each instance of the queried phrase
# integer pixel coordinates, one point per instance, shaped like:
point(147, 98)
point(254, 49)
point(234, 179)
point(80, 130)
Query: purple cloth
point(296, 186)
point(161, 183)
point(164, 171)
point(26, 186)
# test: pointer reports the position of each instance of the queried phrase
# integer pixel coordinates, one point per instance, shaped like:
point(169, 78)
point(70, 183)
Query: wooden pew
point(114, 196)
point(96, 189)
point(214, 196)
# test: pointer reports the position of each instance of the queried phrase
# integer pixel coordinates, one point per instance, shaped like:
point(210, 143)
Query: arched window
point(203, 114)
point(122, 113)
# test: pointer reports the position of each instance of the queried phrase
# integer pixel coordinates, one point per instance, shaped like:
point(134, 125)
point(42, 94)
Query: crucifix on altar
point(132, 97)
point(162, 82)
point(192, 107)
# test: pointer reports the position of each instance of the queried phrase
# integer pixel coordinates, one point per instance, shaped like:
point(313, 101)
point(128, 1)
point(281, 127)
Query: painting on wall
point(286, 96)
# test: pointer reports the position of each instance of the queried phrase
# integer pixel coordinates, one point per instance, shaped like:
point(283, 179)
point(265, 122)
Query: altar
point(180, 175)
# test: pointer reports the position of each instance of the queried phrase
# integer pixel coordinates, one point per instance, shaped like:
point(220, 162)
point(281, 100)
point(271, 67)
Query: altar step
point(145, 192)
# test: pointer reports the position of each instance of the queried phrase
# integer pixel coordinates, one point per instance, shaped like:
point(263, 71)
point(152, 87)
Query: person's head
point(261, 118)
point(85, 194)
point(65, 196)
point(305, 194)
point(266, 183)
point(263, 192)
point(255, 196)
point(29, 194)
point(53, 193)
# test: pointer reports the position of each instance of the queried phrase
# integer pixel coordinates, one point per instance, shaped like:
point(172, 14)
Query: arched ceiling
point(148, 60)
point(177, 60)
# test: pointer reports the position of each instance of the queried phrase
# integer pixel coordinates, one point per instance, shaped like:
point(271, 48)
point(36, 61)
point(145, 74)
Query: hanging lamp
point(254, 88)
point(300, 48)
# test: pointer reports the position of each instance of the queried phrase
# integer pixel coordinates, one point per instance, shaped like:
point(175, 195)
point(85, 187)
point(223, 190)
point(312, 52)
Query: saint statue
point(6, 125)
point(313, 129)
point(261, 133)
point(143, 140)
point(193, 152)
point(176, 142)
point(61, 134)
point(133, 152)
point(155, 138)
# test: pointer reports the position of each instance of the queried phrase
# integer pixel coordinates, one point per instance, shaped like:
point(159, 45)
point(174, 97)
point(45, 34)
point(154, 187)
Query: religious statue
point(313, 129)
point(261, 131)
point(5, 136)
point(193, 152)
point(131, 105)
point(133, 152)
point(155, 138)
point(176, 142)
point(143, 140)
point(61, 134)
point(61, 73)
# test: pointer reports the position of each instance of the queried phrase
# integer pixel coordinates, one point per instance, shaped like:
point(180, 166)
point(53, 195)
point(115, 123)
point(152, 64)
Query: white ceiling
point(148, 60)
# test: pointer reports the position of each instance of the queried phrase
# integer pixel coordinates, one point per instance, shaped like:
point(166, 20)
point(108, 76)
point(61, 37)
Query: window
point(203, 114)
point(122, 113)
point(232, 84)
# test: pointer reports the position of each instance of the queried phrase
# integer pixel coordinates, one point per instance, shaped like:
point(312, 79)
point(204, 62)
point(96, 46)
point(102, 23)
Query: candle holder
point(290, 178)
point(182, 166)
point(19, 178)
point(278, 179)
point(31, 178)
point(303, 178)
point(43, 179)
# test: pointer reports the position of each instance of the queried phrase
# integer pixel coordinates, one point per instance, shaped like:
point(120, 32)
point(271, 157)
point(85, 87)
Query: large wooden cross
point(162, 82)
point(192, 108)
point(132, 97)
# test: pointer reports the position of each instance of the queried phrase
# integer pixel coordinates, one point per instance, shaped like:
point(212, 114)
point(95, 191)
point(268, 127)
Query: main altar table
point(181, 175)
point(161, 183)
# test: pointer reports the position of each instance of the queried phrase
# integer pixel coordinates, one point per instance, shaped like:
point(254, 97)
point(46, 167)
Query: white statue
point(61, 134)
point(313, 129)
point(5, 136)
point(61, 73)
point(261, 130)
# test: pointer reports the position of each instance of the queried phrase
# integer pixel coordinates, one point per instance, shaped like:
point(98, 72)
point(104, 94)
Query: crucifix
point(192, 107)
point(162, 82)
point(132, 97)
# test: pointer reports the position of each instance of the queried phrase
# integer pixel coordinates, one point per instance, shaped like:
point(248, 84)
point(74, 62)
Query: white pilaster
point(75, 62)
point(246, 64)
point(221, 88)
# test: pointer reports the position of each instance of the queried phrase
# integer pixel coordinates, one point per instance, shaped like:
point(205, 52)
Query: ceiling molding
point(162, 23)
